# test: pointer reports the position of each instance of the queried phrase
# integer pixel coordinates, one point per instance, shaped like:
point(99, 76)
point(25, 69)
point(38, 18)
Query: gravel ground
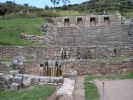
point(115, 89)
point(53, 96)
point(79, 92)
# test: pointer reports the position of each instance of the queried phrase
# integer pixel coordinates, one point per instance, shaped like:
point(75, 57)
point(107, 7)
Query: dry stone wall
point(42, 53)
point(87, 20)
point(85, 68)
point(92, 30)
point(79, 54)
point(79, 37)
point(110, 35)
point(36, 52)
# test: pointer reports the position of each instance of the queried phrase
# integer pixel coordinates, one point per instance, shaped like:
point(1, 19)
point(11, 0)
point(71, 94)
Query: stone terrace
point(92, 30)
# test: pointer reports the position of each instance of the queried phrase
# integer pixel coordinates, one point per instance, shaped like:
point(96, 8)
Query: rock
point(1, 74)
point(14, 87)
point(27, 83)
point(70, 74)
point(66, 91)
point(59, 80)
point(14, 72)
point(17, 80)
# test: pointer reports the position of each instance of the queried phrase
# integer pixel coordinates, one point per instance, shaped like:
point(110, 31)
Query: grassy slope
point(128, 14)
point(91, 91)
point(36, 93)
point(68, 13)
point(10, 28)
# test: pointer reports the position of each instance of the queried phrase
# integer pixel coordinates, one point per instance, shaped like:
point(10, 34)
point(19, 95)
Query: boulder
point(14, 72)
point(66, 91)
point(27, 82)
point(70, 74)
point(14, 87)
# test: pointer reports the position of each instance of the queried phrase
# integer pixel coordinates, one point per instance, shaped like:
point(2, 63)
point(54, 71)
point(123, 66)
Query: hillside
point(24, 18)
point(91, 6)
point(99, 6)
point(15, 10)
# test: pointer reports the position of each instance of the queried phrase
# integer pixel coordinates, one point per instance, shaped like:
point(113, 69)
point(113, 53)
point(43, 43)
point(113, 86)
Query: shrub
point(10, 16)
point(47, 13)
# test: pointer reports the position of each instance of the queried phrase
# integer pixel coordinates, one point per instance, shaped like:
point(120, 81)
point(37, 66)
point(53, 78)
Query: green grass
point(68, 13)
point(91, 91)
point(59, 13)
point(36, 93)
point(128, 14)
point(11, 28)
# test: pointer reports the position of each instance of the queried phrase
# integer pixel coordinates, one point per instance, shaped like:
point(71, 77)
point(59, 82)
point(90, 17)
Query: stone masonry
point(91, 30)
point(42, 53)
point(80, 37)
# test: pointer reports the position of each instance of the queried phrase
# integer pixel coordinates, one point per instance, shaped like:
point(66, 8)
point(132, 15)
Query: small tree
point(55, 2)
point(65, 2)
point(26, 4)
point(46, 7)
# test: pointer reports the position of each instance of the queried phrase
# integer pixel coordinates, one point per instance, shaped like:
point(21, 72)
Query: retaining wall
point(85, 68)
point(43, 53)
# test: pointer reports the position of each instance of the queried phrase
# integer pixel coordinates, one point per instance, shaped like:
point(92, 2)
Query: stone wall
point(108, 30)
point(40, 39)
point(85, 68)
point(43, 53)
point(1, 66)
point(85, 21)
point(32, 67)
point(79, 54)
point(109, 35)
point(37, 53)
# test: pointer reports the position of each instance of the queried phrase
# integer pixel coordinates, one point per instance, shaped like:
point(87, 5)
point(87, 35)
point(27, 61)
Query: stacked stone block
point(107, 30)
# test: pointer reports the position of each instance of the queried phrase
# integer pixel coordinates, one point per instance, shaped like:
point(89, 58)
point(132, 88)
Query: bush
point(10, 16)
point(48, 13)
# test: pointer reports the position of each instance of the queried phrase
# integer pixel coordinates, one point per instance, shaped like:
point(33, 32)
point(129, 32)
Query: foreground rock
point(66, 91)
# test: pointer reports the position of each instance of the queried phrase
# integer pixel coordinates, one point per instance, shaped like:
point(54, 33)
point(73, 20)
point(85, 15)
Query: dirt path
point(116, 89)
point(53, 96)
point(79, 93)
